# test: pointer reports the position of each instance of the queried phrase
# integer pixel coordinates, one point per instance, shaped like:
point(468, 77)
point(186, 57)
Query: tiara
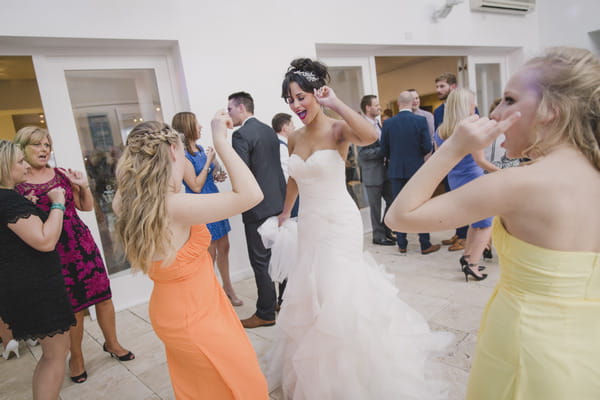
point(309, 76)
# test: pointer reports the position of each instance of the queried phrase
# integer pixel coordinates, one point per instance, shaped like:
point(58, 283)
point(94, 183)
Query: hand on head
point(325, 96)
point(475, 133)
point(57, 195)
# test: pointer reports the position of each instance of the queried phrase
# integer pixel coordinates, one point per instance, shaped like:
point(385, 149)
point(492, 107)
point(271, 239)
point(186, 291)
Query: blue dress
point(464, 172)
point(198, 159)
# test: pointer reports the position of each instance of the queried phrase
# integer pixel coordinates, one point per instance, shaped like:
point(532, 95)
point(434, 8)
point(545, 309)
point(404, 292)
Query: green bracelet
point(58, 206)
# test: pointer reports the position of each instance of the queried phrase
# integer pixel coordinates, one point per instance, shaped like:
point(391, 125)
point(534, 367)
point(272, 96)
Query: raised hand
point(76, 177)
point(326, 96)
point(474, 133)
point(57, 195)
point(219, 125)
point(210, 154)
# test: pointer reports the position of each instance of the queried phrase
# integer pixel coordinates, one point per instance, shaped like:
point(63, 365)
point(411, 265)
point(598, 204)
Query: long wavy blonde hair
point(458, 107)
point(143, 175)
point(568, 83)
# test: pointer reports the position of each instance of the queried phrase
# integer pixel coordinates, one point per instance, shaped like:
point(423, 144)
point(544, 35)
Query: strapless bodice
point(322, 176)
point(534, 270)
point(188, 260)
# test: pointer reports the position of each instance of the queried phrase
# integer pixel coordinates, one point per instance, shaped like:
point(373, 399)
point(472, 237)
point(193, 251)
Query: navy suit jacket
point(438, 115)
point(405, 141)
point(258, 145)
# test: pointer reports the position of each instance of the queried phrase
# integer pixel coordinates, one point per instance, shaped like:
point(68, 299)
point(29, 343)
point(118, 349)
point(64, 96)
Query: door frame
point(128, 289)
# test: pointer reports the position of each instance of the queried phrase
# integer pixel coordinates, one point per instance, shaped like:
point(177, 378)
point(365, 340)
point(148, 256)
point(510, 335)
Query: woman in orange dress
point(164, 234)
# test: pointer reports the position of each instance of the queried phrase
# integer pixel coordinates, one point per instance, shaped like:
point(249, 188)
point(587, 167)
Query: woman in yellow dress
point(539, 335)
point(164, 234)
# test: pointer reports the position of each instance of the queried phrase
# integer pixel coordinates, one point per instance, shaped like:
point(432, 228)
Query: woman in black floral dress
point(85, 276)
point(33, 299)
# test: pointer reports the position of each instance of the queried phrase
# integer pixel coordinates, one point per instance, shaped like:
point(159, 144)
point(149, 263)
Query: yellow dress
point(539, 337)
point(208, 352)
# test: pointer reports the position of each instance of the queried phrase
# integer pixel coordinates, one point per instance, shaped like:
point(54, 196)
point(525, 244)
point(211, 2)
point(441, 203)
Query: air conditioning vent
point(503, 6)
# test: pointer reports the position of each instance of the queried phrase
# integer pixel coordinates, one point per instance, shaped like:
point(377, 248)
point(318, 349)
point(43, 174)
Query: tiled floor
point(432, 284)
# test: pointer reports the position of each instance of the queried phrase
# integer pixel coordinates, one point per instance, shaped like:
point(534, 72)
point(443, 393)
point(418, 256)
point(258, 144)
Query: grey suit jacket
point(373, 171)
point(257, 144)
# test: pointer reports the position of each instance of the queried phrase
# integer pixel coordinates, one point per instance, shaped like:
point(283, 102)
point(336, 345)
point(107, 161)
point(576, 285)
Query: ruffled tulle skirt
point(343, 333)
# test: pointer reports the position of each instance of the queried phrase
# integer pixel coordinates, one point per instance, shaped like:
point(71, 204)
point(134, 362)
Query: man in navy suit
point(405, 141)
point(444, 84)
point(257, 144)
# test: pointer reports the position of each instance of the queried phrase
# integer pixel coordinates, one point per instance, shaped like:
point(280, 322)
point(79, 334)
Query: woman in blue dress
point(461, 104)
point(200, 175)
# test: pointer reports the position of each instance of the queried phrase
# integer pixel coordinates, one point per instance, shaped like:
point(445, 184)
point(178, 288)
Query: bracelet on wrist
point(57, 206)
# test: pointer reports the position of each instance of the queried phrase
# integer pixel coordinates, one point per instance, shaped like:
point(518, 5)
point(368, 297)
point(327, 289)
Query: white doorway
point(90, 104)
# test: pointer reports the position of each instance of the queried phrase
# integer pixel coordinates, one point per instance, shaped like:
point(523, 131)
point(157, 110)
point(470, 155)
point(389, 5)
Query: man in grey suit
point(374, 176)
point(405, 141)
point(257, 144)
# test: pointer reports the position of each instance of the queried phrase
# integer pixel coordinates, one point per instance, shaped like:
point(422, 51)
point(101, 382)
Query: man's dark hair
point(243, 98)
point(366, 101)
point(449, 77)
point(279, 120)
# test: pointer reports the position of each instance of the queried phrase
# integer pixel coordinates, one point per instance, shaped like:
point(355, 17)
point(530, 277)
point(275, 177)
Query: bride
point(342, 331)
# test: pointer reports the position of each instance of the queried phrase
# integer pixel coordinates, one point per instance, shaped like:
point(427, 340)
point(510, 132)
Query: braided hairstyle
point(308, 74)
point(568, 83)
point(143, 175)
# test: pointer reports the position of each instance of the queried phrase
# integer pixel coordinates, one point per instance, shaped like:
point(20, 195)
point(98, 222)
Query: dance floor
point(432, 284)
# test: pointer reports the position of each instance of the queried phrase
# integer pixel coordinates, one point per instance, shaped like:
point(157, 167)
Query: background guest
point(460, 105)
point(85, 276)
point(33, 299)
point(257, 145)
point(405, 142)
point(201, 171)
point(444, 85)
point(374, 174)
point(163, 233)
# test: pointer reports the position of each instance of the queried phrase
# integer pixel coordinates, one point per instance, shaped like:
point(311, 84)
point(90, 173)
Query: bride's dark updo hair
point(308, 74)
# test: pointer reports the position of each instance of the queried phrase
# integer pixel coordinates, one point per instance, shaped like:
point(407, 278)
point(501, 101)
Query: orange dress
point(208, 352)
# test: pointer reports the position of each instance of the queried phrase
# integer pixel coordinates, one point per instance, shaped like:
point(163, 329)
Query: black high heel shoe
point(464, 263)
point(487, 253)
point(468, 271)
point(126, 357)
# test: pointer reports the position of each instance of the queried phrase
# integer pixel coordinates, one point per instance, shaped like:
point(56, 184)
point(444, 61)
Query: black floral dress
point(33, 299)
point(85, 276)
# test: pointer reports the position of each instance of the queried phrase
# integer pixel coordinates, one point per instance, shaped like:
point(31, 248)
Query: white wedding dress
point(343, 333)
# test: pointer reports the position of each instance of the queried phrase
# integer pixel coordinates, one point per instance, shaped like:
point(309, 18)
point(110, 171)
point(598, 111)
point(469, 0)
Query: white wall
point(568, 23)
point(247, 45)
